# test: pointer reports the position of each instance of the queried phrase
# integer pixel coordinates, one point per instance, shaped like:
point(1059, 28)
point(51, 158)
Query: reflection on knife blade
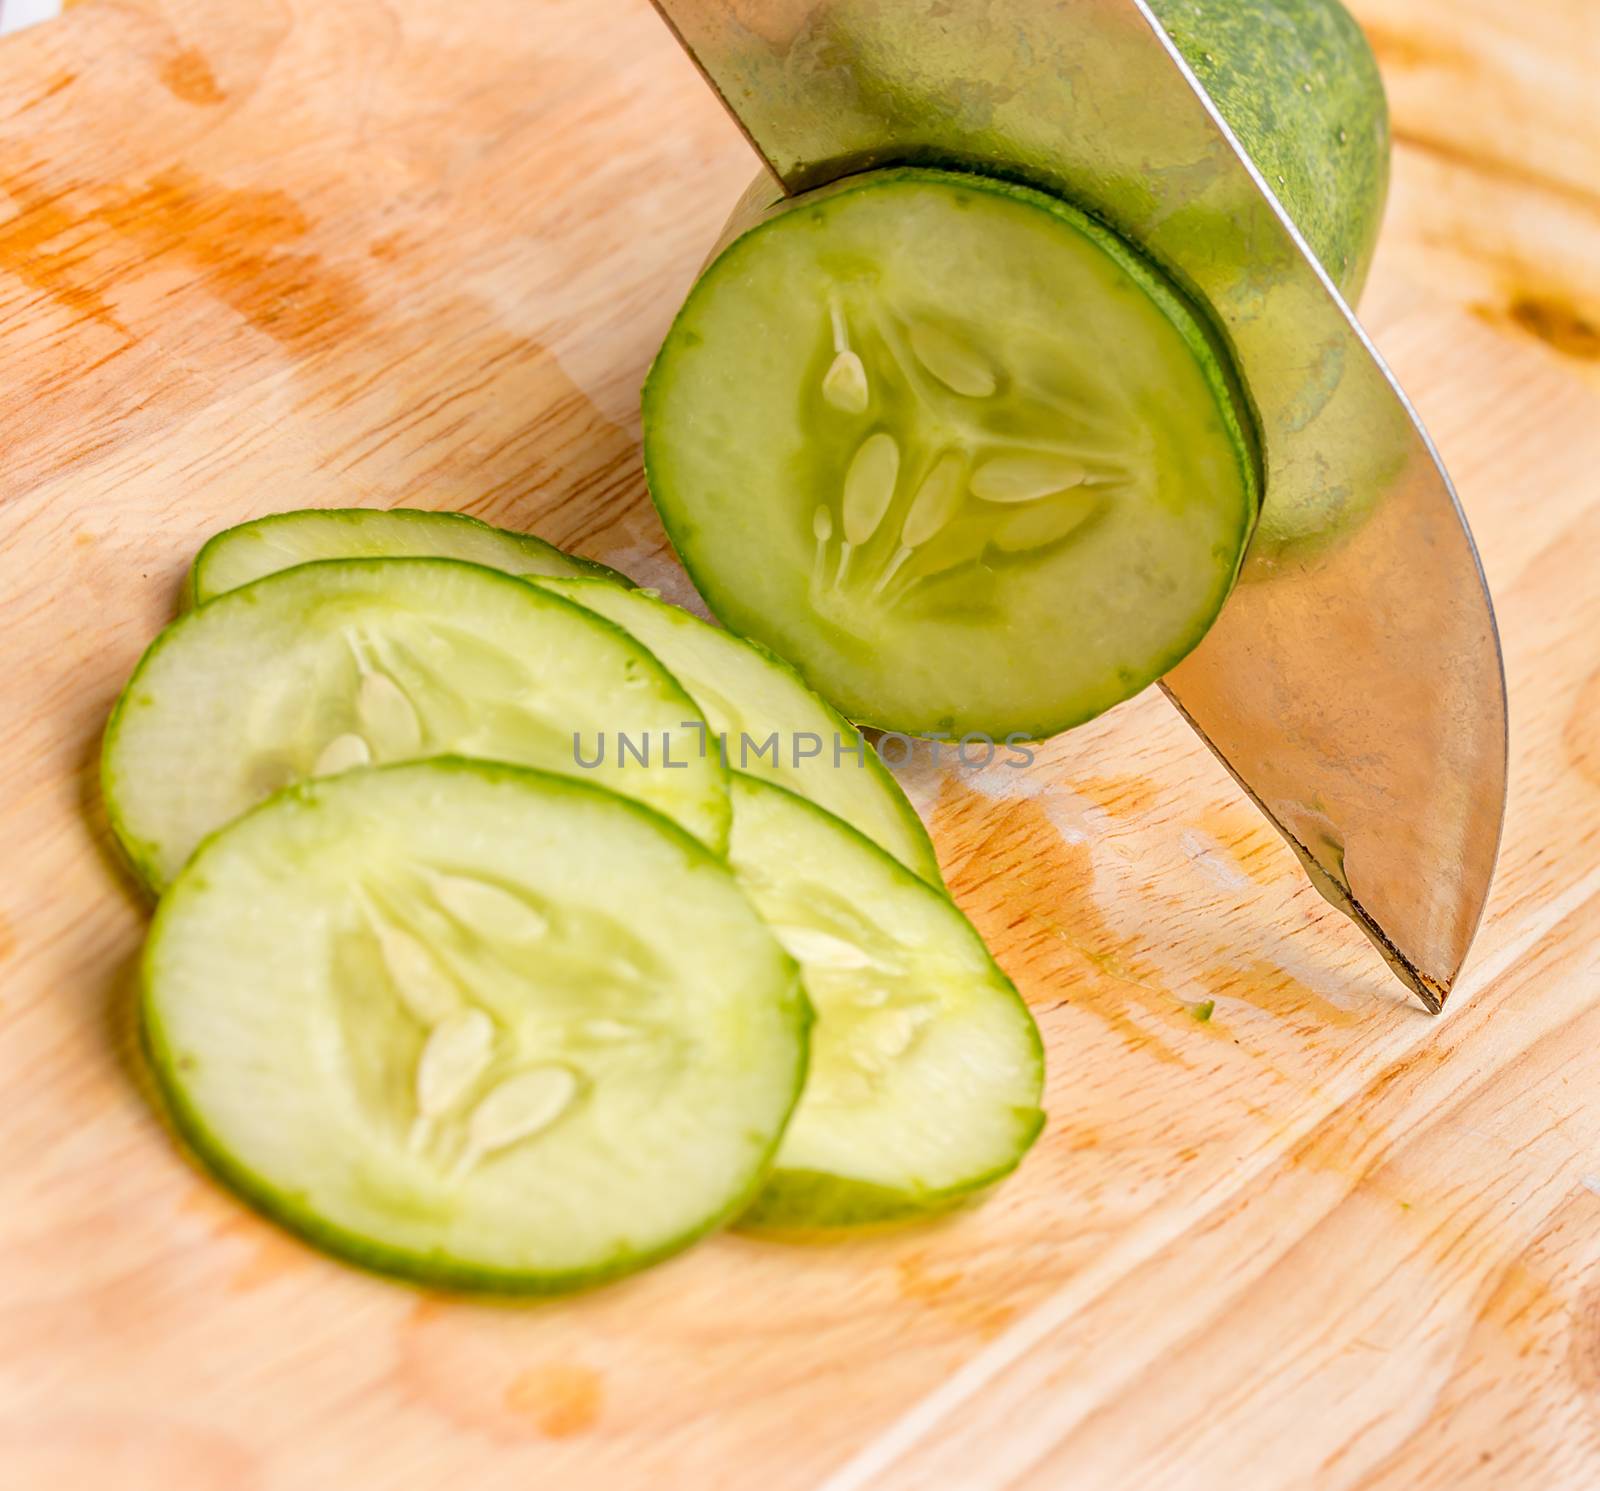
point(1353, 683)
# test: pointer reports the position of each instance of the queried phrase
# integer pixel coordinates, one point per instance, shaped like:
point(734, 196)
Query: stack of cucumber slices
point(505, 941)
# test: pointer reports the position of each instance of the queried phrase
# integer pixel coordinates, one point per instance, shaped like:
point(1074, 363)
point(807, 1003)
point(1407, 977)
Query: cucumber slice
point(238, 555)
point(752, 699)
point(955, 449)
point(343, 662)
point(926, 1067)
point(477, 1026)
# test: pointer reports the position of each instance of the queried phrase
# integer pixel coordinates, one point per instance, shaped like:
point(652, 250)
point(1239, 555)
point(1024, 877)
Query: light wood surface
point(283, 253)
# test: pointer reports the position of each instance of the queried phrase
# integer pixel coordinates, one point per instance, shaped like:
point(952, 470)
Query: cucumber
point(249, 551)
point(480, 1027)
point(341, 662)
point(1298, 84)
point(956, 450)
point(1295, 81)
point(752, 700)
point(926, 1067)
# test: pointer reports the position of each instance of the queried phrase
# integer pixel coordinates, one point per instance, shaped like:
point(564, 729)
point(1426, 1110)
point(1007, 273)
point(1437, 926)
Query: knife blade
point(1353, 684)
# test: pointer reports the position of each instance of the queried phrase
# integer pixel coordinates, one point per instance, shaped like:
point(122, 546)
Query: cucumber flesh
point(238, 555)
point(955, 449)
point(342, 663)
point(752, 699)
point(926, 1067)
point(478, 1026)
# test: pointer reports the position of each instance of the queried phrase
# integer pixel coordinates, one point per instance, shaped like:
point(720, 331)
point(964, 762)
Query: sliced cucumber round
point(478, 1026)
point(954, 448)
point(341, 663)
point(238, 555)
point(926, 1067)
point(770, 724)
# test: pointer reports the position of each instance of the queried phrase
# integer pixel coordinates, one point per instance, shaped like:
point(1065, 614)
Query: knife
point(1353, 684)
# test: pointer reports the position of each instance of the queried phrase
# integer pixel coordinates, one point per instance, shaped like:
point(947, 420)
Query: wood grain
point(386, 251)
point(1497, 191)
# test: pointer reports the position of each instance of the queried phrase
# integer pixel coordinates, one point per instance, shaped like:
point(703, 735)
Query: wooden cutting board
point(282, 253)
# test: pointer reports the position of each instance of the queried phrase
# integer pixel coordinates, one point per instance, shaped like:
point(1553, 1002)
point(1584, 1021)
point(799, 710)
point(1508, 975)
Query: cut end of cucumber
point(926, 1067)
point(989, 470)
point(249, 551)
point(476, 1026)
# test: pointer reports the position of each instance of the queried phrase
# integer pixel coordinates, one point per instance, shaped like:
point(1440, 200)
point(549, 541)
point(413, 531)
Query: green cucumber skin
point(195, 593)
point(807, 1200)
point(433, 1270)
point(1323, 152)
